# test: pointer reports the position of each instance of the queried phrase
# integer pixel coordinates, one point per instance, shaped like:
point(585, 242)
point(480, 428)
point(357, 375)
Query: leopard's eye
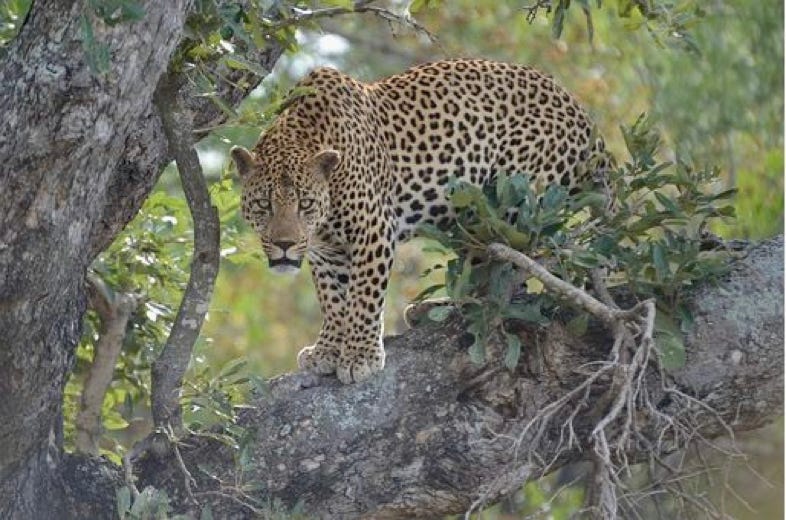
point(264, 205)
point(306, 204)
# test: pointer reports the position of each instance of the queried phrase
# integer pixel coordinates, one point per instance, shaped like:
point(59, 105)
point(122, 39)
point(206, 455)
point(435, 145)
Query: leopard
point(350, 169)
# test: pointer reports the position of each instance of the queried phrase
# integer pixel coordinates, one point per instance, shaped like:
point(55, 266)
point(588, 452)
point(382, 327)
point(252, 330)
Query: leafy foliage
point(651, 241)
point(667, 22)
point(12, 15)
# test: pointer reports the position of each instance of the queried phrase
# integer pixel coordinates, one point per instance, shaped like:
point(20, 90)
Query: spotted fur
point(350, 169)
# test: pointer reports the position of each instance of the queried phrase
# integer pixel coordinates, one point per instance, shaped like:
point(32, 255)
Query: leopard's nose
point(284, 245)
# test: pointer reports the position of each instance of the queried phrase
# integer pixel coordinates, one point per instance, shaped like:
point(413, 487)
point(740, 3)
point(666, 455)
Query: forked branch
point(168, 370)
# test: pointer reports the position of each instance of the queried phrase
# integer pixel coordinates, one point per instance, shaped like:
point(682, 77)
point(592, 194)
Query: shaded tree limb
point(434, 434)
point(171, 365)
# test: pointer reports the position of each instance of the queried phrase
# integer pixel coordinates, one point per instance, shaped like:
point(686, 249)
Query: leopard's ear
point(326, 161)
point(244, 160)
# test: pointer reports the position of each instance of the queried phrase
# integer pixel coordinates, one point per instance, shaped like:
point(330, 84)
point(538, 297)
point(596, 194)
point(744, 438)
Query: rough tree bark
point(63, 136)
point(79, 155)
point(434, 433)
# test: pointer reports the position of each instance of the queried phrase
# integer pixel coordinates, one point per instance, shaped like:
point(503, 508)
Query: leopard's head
point(285, 199)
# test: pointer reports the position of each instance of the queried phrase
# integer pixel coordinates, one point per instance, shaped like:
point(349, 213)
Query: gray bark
point(64, 133)
point(78, 156)
point(433, 432)
point(169, 368)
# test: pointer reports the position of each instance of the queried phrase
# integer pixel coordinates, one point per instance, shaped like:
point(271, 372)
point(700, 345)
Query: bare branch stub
point(114, 312)
point(168, 370)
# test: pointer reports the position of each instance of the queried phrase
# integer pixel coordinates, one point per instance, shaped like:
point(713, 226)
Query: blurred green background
point(717, 95)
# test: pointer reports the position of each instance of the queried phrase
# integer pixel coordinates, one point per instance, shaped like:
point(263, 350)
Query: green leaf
point(461, 198)
point(499, 283)
point(520, 186)
point(237, 62)
point(578, 325)
point(96, 54)
point(477, 352)
point(671, 351)
point(559, 20)
point(207, 513)
point(131, 11)
point(415, 6)
point(513, 352)
point(502, 185)
point(668, 339)
point(668, 203)
point(529, 312)
point(232, 367)
point(585, 259)
point(434, 233)
point(428, 291)
point(114, 421)
point(123, 501)
point(554, 198)
point(142, 504)
point(662, 270)
point(440, 313)
point(347, 4)
point(515, 238)
point(685, 317)
point(589, 199)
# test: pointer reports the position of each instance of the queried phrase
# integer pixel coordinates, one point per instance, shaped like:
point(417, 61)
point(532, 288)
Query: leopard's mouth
point(285, 265)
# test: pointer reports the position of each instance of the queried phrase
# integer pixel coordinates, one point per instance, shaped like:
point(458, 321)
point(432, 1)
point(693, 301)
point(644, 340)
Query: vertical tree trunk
point(63, 135)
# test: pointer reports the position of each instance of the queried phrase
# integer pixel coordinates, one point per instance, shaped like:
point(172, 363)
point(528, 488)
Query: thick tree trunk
point(434, 433)
point(64, 131)
point(79, 154)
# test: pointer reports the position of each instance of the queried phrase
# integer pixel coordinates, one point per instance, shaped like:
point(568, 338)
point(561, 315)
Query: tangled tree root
point(629, 412)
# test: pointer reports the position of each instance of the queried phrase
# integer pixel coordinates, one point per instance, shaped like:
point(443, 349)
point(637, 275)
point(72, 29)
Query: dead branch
point(630, 357)
point(114, 312)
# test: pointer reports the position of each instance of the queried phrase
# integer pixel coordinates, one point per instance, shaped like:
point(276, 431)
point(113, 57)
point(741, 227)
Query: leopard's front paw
point(360, 365)
point(318, 359)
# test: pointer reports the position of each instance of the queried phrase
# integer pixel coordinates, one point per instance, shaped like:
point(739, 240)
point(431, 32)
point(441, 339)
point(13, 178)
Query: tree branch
point(114, 313)
point(434, 434)
point(303, 16)
point(168, 370)
point(145, 150)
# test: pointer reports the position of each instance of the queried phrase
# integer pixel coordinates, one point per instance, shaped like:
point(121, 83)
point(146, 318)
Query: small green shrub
point(651, 242)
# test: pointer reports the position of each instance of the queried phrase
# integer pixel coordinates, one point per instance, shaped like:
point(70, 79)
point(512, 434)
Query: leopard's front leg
point(362, 352)
point(330, 273)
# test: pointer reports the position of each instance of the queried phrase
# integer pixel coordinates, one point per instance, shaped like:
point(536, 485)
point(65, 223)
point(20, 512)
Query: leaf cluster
point(667, 22)
point(642, 228)
point(12, 15)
